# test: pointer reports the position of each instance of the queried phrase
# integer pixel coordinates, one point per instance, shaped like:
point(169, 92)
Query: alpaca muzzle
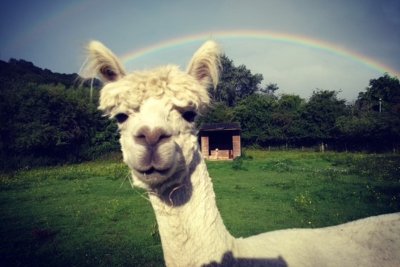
point(157, 162)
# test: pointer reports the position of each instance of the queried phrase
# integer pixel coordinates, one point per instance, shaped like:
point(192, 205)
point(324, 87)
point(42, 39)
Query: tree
point(46, 122)
point(270, 89)
point(217, 113)
point(375, 122)
point(286, 117)
point(320, 114)
point(254, 115)
point(385, 91)
point(235, 83)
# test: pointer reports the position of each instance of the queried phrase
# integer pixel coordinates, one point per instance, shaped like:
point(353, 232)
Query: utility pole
point(91, 90)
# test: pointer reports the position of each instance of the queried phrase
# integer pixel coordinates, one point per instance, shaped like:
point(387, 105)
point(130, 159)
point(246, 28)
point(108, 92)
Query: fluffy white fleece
point(191, 228)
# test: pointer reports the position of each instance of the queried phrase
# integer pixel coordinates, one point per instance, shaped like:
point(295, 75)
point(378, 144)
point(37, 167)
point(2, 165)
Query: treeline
point(47, 118)
point(268, 119)
point(51, 118)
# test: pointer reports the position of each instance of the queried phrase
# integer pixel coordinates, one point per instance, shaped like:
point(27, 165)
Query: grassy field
point(88, 214)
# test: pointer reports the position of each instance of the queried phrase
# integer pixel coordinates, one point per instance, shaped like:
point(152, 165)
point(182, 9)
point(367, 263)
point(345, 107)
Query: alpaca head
point(155, 111)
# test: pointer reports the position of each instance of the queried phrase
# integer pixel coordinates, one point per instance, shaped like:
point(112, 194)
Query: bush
point(45, 125)
point(237, 164)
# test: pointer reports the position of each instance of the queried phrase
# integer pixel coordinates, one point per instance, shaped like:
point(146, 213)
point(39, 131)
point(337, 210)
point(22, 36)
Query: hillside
point(49, 118)
point(25, 71)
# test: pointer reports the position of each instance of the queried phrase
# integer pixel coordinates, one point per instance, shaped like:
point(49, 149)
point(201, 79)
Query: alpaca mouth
point(156, 169)
point(149, 171)
point(153, 176)
point(153, 170)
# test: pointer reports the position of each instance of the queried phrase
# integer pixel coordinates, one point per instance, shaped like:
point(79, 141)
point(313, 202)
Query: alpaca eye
point(189, 116)
point(108, 73)
point(121, 117)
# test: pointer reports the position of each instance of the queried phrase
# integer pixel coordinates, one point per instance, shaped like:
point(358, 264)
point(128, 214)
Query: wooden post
point(236, 146)
point(205, 147)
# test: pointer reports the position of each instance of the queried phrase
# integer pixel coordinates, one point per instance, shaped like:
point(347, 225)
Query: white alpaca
point(155, 111)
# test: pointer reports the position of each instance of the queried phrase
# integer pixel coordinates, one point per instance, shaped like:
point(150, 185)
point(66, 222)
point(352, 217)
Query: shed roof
point(233, 126)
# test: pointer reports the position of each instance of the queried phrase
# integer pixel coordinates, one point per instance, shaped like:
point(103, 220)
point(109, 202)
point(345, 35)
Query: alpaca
point(155, 111)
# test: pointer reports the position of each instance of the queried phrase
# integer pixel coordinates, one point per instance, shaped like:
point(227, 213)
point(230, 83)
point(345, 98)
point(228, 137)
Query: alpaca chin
point(155, 179)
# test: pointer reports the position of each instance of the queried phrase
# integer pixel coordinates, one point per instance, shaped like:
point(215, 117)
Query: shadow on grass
point(229, 260)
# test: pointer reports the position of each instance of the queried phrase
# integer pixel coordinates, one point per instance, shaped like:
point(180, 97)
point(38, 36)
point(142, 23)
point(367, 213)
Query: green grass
point(88, 214)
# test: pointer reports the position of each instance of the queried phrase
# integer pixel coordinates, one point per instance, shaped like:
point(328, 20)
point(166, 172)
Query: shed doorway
point(220, 141)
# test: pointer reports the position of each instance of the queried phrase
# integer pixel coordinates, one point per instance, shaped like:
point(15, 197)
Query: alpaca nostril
point(157, 136)
point(164, 136)
point(151, 137)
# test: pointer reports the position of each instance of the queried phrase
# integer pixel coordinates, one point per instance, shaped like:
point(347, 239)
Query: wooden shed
point(220, 141)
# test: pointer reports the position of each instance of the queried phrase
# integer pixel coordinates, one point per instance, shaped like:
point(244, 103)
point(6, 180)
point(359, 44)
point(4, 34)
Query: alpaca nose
point(152, 137)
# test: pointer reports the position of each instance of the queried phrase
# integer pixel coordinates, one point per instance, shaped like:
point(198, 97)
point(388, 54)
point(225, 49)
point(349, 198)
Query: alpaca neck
point(192, 233)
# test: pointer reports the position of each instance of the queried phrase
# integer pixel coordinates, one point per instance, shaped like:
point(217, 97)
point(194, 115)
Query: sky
point(301, 45)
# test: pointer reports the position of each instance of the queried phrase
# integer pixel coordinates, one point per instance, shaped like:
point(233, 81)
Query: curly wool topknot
point(169, 81)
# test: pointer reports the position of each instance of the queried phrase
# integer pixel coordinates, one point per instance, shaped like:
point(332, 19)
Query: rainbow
point(261, 35)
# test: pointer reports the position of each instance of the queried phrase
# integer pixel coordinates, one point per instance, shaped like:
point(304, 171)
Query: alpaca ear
point(205, 64)
point(102, 63)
